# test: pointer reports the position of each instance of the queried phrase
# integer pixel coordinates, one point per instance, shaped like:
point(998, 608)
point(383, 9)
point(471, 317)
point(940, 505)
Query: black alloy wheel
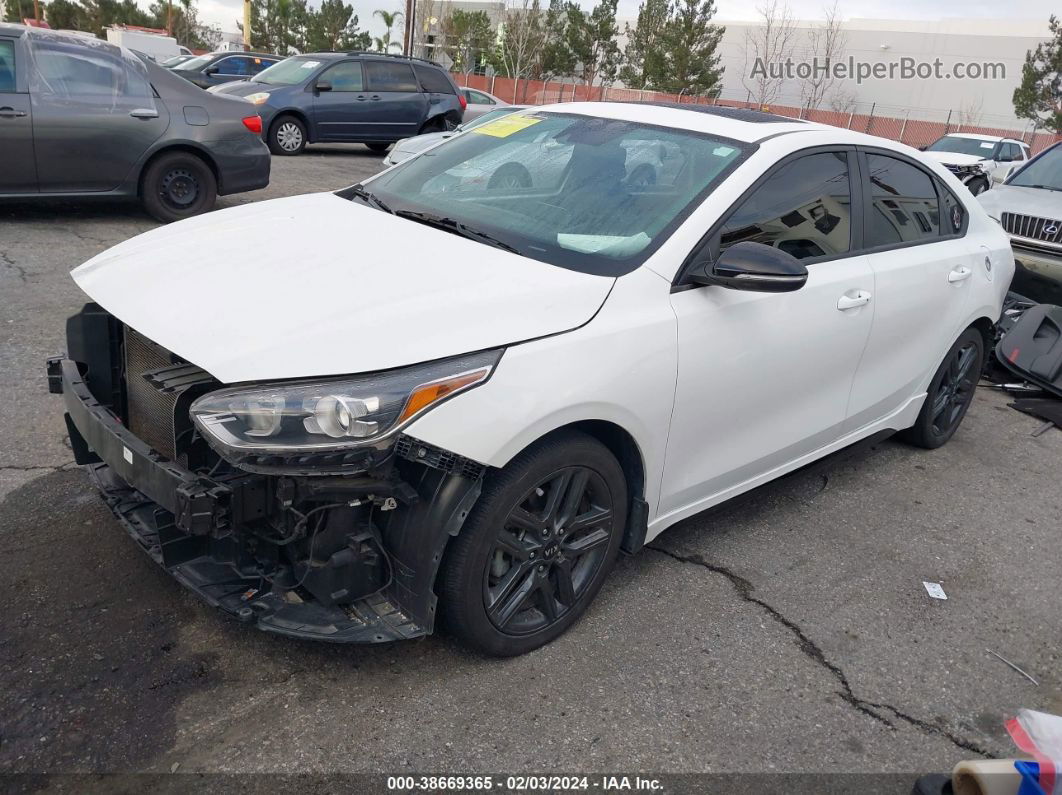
point(177, 185)
point(950, 392)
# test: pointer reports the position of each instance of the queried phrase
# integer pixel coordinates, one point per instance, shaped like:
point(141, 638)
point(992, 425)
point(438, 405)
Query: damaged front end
point(316, 519)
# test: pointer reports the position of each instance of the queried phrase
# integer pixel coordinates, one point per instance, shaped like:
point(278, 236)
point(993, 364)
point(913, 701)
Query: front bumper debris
point(191, 525)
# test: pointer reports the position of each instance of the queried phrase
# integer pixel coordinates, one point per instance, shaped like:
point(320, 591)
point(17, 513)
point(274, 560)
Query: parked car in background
point(83, 118)
point(176, 60)
point(978, 160)
point(480, 102)
point(1029, 208)
point(357, 97)
point(467, 417)
point(218, 68)
point(155, 45)
point(407, 147)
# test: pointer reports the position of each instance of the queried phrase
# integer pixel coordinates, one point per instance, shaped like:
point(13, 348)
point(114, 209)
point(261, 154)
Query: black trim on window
point(868, 202)
point(709, 243)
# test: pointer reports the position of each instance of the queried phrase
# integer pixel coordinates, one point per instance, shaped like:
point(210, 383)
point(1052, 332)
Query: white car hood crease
point(317, 285)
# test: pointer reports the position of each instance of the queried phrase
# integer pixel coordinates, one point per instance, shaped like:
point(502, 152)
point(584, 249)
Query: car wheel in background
point(287, 136)
point(950, 393)
point(509, 175)
point(537, 546)
point(644, 176)
point(378, 146)
point(979, 185)
point(438, 124)
point(178, 185)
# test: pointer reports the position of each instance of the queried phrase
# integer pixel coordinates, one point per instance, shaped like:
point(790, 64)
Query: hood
point(317, 285)
point(1037, 202)
point(953, 158)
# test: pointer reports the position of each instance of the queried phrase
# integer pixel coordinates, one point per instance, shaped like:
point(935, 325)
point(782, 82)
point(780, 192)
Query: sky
point(224, 13)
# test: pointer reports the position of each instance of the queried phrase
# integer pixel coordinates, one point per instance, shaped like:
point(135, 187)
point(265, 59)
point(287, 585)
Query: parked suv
point(81, 117)
point(367, 98)
point(1029, 208)
point(220, 68)
point(978, 160)
point(468, 418)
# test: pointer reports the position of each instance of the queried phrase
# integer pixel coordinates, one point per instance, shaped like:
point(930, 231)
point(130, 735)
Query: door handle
point(959, 273)
point(361, 98)
point(10, 113)
point(861, 298)
point(144, 113)
point(375, 96)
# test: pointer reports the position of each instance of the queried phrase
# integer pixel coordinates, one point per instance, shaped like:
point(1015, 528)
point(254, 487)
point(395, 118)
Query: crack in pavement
point(810, 649)
point(40, 468)
point(20, 272)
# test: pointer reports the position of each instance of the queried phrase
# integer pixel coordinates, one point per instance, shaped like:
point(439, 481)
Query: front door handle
point(846, 301)
point(959, 274)
point(10, 113)
point(144, 113)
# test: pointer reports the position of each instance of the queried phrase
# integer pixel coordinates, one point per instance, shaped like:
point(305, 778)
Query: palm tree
point(390, 19)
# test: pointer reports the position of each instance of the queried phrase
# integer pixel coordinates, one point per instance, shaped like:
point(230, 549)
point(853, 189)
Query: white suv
point(427, 397)
point(978, 160)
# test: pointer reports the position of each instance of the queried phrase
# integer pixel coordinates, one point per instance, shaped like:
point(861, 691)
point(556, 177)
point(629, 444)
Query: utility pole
point(410, 28)
point(247, 25)
point(169, 17)
point(36, 10)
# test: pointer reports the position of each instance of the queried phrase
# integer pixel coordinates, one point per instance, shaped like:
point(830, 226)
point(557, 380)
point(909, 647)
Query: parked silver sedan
point(407, 147)
point(480, 102)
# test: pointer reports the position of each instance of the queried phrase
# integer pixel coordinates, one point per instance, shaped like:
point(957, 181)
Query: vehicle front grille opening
point(149, 412)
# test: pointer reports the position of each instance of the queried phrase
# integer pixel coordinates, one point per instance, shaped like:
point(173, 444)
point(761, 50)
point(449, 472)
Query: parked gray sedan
point(83, 118)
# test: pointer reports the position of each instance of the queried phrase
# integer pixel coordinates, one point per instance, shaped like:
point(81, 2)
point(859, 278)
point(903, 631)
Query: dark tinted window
point(345, 76)
point(383, 76)
point(433, 80)
point(236, 65)
point(804, 208)
point(260, 63)
point(1011, 152)
point(7, 66)
point(904, 204)
point(954, 216)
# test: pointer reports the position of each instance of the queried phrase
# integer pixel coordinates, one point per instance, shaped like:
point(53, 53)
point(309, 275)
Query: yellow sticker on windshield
point(506, 125)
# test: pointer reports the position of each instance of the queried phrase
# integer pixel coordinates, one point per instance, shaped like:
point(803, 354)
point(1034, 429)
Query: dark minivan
point(359, 97)
point(219, 68)
point(83, 118)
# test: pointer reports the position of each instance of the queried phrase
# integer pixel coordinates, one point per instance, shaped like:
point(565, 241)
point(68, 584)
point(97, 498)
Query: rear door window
point(477, 98)
point(344, 77)
point(7, 66)
point(69, 70)
point(433, 80)
point(383, 76)
point(903, 203)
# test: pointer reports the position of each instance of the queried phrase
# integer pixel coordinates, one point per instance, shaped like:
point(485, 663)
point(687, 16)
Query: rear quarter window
point(433, 80)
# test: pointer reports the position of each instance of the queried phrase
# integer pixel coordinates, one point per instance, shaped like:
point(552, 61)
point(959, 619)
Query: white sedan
point(469, 414)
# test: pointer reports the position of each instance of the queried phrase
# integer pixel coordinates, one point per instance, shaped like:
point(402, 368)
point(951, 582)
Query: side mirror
point(211, 70)
point(752, 266)
point(323, 85)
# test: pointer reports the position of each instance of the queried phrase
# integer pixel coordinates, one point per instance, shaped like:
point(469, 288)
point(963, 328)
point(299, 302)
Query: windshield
point(195, 64)
point(1043, 172)
point(589, 194)
point(962, 146)
point(177, 59)
point(288, 72)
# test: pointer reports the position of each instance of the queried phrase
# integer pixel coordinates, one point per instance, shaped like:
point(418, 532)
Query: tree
point(182, 20)
point(826, 45)
point(690, 44)
point(64, 15)
point(467, 37)
point(390, 19)
point(18, 10)
point(591, 38)
point(770, 44)
point(556, 58)
point(335, 28)
point(520, 39)
point(1039, 97)
point(644, 61)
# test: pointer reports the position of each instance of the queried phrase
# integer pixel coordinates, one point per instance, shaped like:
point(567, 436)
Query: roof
point(740, 114)
point(980, 137)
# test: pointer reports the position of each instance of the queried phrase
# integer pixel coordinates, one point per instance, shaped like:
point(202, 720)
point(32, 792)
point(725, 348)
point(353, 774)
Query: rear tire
point(177, 185)
point(287, 136)
point(378, 146)
point(509, 176)
point(950, 393)
point(536, 548)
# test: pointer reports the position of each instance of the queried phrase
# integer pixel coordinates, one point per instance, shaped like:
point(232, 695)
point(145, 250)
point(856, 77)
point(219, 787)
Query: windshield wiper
point(1041, 187)
point(456, 227)
point(359, 192)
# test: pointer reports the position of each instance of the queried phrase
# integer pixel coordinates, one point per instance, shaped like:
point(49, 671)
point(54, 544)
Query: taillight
point(464, 101)
point(254, 124)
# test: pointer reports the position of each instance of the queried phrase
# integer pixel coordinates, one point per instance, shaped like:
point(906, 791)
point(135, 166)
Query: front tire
point(287, 136)
point(950, 393)
point(978, 186)
point(178, 185)
point(536, 548)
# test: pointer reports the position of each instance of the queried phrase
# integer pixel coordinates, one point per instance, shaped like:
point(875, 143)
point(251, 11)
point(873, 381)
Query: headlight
point(258, 98)
point(319, 419)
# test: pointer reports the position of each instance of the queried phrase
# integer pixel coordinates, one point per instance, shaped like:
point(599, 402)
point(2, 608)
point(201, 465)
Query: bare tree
point(970, 112)
point(842, 100)
point(826, 45)
point(522, 38)
point(770, 45)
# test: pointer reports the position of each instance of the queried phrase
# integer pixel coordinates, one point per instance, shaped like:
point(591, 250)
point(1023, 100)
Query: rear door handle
point(375, 96)
point(861, 298)
point(10, 113)
point(959, 274)
point(144, 113)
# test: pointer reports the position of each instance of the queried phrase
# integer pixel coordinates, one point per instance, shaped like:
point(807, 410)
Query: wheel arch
point(188, 148)
point(987, 329)
point(298, 114)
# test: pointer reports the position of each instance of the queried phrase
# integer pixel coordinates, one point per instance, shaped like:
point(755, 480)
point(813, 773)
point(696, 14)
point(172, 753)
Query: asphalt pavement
point(789, 632)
